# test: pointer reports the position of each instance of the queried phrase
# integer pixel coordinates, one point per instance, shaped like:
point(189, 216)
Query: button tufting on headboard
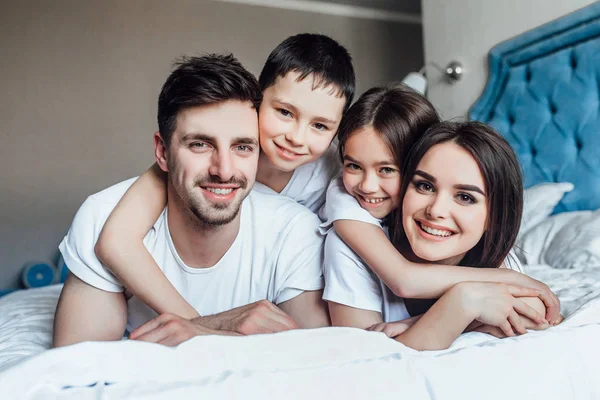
point(543, 95)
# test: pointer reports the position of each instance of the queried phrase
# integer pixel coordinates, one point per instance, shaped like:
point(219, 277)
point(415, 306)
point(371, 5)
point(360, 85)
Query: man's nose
point(221, 165)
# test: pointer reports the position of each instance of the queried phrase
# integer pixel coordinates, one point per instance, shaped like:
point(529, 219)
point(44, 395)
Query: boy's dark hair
point(204, 80)
point(312, 54)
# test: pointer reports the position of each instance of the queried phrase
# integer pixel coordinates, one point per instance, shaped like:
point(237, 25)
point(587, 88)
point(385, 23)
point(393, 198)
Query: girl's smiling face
point(370, 172)
point(444, 211)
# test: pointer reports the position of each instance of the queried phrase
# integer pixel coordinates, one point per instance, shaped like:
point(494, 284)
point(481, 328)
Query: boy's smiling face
point(297, 120)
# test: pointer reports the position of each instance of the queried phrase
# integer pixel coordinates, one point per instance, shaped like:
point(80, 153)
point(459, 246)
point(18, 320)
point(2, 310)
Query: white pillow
point(539, 202)
point(566, 240)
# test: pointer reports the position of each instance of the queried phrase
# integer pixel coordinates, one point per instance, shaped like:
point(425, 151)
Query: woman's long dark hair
point(503, 184)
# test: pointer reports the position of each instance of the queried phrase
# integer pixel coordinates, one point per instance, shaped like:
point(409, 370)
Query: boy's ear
point(160, 152)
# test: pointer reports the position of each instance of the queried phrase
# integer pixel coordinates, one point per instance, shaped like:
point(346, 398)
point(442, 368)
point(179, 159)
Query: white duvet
point(559, 363)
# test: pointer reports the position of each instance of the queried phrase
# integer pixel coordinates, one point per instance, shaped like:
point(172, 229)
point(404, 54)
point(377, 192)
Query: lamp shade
point(416, 81)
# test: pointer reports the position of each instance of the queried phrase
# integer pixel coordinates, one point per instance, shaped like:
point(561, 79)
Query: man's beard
point(216, 214)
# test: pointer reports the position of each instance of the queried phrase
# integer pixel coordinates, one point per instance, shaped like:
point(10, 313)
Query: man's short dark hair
point(312, 54)
point(204, 80)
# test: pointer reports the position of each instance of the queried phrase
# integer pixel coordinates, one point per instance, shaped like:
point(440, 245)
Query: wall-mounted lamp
point(418, 80)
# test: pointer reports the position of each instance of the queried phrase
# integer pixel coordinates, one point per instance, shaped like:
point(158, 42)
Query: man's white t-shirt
point(276, 255)
point(348, 280)
point(309, 182)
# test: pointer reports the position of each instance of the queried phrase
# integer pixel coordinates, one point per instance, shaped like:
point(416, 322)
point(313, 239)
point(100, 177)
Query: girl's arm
point(121, 249)
point(412, 280)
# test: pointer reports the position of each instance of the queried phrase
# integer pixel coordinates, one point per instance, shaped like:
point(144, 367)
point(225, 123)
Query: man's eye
point(198, 144)
point(284, 112)
point(243, 147)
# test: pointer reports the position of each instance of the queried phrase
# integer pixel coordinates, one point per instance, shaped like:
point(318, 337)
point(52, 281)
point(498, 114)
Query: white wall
point(466, 30)
point(79, 82)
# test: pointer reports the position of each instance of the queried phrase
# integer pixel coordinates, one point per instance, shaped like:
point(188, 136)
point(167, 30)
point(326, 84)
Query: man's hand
point(172, 330)
point(254, 318)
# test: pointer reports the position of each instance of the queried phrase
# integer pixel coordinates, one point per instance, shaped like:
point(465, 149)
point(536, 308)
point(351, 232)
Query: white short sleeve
point(77, 248)
point(300, 260)
point(341, 205)
point(348, 280)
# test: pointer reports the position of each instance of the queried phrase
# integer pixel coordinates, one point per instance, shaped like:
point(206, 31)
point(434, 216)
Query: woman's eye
point(387, 170)
point(466, 198)
point(352, 167)
point(321, 127)
point(284, 112)
point(424, 186)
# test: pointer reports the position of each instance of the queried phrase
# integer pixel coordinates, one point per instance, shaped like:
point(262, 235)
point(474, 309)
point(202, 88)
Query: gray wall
point(466, 30)
point(79, 84)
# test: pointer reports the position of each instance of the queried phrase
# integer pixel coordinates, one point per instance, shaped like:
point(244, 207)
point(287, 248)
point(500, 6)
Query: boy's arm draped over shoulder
point(121, 248)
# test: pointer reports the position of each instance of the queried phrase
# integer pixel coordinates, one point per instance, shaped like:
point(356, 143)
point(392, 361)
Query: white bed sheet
point(327, 363)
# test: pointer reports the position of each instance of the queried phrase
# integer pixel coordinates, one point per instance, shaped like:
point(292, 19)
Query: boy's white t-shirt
point(348, 279)
point(276, 256)
point(309, 182)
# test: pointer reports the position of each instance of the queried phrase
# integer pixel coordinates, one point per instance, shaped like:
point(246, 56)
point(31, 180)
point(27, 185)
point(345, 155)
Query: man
point(249, 262)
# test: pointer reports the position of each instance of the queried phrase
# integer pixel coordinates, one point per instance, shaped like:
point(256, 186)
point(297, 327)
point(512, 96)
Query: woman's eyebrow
point(425, 175)
point(470, 188)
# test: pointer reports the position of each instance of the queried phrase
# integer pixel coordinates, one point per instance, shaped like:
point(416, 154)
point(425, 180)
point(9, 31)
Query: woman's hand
point(498, 305)
point(393, 329)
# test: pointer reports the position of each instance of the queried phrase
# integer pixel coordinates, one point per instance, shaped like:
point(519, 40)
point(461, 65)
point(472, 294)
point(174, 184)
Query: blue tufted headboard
point(543, 95)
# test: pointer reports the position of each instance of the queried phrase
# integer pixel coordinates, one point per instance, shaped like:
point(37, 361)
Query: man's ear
point(160, 152)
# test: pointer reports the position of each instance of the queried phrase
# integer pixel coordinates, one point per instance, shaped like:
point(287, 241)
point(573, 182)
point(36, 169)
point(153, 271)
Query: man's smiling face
point(212, 159)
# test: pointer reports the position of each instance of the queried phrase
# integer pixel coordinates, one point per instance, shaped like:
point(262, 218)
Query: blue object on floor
point(37, 274)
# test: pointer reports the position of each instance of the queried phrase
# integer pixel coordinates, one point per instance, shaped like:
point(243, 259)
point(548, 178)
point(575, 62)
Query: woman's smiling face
point(371, 175)
point(444, 211)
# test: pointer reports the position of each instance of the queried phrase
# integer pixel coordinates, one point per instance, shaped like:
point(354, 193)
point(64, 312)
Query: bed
point(542, 94)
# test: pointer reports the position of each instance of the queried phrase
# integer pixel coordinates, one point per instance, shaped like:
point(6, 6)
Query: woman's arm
point(492, 304)
point(411, 280)
point(121, 249)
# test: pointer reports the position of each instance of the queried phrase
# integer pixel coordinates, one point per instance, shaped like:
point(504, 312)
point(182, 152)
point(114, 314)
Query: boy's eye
point(423, 186)
point(284, 112)
point(466, 198)
point(353, 167)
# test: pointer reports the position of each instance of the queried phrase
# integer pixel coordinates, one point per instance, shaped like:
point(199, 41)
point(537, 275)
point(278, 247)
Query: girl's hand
point(497, 304)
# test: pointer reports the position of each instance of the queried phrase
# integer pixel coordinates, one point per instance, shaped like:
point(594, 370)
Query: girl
point(460, 202)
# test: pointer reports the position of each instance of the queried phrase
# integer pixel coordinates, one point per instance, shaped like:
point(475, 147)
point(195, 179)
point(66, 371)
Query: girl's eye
point(466, 198)
point(424, 186)
point(387, 170)
point(352, 167)
point(320, 127)
point(284, 112)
